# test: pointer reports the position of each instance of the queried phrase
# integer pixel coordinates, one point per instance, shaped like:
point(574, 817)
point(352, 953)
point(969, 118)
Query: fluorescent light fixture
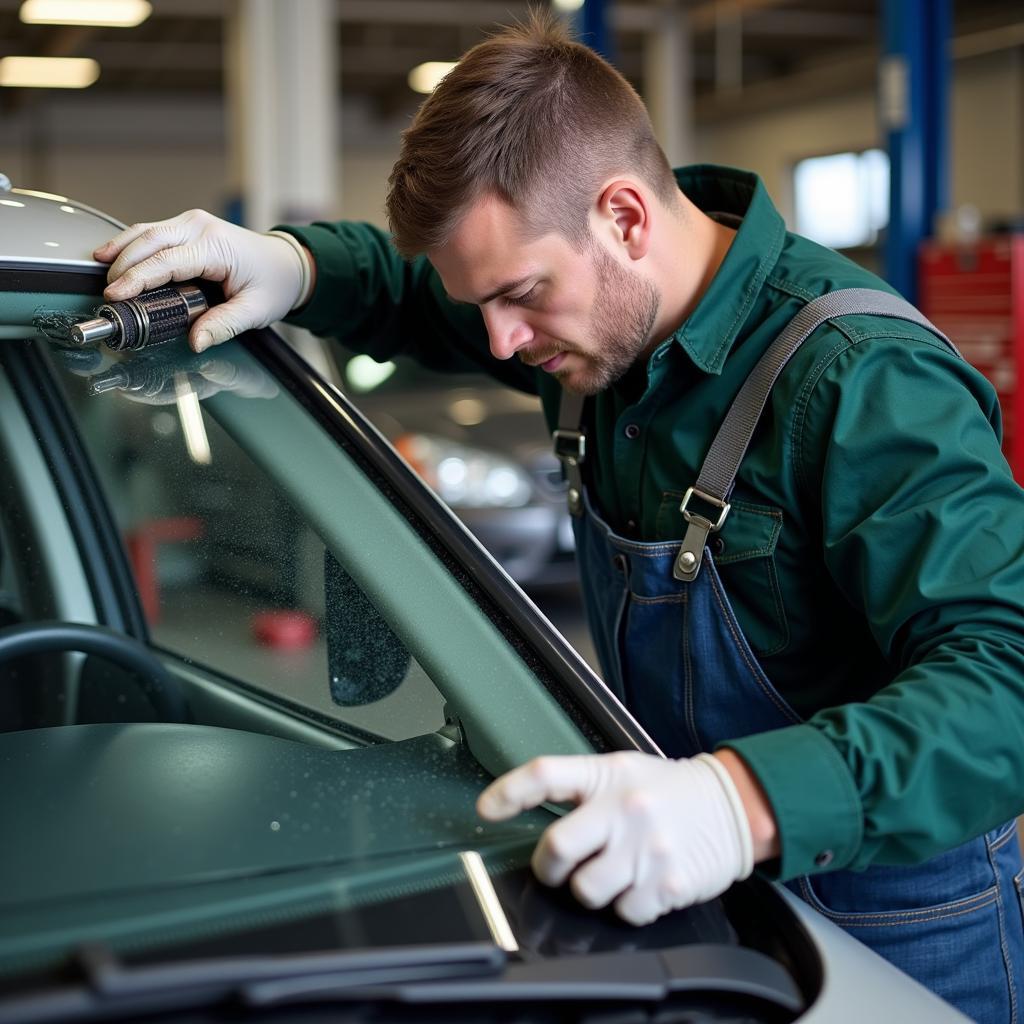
point(426, 77)
point(115, 13)
point(567, 5)
point(48, 72)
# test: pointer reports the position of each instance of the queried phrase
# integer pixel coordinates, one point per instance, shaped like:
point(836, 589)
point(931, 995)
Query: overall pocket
point(744, 553)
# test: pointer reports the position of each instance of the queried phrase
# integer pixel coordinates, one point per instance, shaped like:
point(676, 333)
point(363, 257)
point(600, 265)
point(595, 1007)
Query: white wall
point(986, 135)
point(988, 132)
point(364, 175)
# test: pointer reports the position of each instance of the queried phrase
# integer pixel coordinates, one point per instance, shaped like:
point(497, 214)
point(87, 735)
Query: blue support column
point(594, 28)
point(914, 100)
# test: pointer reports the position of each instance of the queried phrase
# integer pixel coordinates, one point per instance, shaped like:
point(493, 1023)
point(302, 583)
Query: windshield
point(230, 574)
point(346, 698)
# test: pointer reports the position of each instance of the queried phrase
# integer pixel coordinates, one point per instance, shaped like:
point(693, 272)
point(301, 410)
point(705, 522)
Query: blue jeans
point(675, 655)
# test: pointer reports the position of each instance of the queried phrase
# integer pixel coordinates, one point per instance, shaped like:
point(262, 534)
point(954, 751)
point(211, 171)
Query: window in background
point(842, 200)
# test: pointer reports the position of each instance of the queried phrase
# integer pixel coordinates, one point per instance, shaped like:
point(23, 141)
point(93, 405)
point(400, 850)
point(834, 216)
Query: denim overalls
point(672, 650)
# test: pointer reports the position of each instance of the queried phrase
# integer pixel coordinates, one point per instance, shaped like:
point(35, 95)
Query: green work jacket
point(873, 553)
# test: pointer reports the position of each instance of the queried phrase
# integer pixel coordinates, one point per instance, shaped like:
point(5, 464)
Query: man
point(838, 678)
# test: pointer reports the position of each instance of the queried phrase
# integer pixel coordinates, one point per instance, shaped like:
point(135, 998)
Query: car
point(235, 789)
point(482, 447)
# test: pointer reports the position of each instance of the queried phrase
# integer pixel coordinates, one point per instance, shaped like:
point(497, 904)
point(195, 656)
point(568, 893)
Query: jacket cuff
point(812, 794)
point(336, 277)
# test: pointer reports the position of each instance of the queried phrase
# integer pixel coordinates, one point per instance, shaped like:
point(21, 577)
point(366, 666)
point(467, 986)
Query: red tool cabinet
point(975, 295)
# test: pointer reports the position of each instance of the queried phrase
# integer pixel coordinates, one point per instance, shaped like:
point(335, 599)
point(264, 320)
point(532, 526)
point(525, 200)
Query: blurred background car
point(484, 451)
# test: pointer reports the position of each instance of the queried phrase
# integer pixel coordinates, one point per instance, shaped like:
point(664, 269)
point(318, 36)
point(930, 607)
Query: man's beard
point(623, 317)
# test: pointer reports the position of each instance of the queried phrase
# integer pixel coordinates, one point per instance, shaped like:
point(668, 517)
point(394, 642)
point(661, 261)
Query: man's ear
point(623, 211)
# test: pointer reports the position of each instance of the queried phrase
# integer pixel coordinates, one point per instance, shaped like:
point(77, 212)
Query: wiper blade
point(442, 975)
point(114, 989)
point(613, 977)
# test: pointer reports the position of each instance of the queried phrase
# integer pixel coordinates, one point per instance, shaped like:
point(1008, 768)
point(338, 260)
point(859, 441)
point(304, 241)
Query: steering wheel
point(159, 685)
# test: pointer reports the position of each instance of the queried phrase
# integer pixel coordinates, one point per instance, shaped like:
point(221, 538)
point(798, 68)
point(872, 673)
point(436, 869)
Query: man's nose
point(507, 331)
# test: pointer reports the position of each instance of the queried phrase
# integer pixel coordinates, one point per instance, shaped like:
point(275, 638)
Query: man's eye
point(522, 300)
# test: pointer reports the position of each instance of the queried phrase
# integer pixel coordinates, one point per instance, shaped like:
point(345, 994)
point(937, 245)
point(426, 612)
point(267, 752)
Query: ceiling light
point(41, 195)
point(426, 77)
point(117, 13)
point(48, 72)
point(567, 5)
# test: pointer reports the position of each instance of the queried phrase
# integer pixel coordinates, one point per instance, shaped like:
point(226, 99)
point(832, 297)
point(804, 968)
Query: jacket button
point(632, 431)
point(719, 546)
point(824, 858)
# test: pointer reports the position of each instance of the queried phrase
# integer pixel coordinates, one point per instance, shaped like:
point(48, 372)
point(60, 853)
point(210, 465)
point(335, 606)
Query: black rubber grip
point(168, 314)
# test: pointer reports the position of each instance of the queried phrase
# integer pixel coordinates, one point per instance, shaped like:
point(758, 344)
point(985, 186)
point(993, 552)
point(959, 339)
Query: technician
point(828, 642)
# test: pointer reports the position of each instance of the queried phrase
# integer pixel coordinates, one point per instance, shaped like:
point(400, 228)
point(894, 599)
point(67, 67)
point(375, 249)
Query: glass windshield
point(231, 576)
point(346, 698)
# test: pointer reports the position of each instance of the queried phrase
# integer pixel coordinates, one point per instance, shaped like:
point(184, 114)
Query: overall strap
point(570, 442)
point(718, 472)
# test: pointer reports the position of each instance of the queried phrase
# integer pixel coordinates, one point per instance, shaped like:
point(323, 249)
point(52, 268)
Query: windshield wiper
point(112, 988)
point(614, 977)
point(467, 974)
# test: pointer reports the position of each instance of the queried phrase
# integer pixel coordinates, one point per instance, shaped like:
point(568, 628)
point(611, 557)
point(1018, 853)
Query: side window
point(229, 574)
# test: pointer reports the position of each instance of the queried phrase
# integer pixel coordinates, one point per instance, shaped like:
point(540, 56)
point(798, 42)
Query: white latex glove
point(655, 835)
point(263, 275)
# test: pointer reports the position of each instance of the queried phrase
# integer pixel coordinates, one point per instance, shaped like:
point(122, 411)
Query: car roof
point(43, 230)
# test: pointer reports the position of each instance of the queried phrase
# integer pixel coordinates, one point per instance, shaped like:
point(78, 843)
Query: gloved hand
point(263, 275)
point(656, 835)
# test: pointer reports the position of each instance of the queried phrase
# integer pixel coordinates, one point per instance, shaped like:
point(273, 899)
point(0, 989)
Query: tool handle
point(154, 317)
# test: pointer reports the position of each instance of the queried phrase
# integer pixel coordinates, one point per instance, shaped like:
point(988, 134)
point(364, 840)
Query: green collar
point(709, 332)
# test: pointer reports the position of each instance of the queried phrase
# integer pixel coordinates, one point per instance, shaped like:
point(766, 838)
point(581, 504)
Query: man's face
point(581, 316)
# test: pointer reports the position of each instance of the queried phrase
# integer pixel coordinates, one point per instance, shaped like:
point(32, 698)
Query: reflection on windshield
point(163, 375)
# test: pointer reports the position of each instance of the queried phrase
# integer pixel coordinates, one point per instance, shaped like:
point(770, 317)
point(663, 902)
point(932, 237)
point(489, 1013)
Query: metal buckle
point(570, 446)
point(711, 500)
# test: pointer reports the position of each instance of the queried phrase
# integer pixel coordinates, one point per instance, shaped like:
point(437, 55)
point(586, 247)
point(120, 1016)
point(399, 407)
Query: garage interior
point(889, 130)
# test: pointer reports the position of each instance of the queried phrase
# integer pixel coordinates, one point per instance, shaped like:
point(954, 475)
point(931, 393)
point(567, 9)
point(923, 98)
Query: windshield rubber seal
point(21, 277)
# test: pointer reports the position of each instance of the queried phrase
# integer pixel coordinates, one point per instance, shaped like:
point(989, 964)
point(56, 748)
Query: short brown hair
point(534, 118)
